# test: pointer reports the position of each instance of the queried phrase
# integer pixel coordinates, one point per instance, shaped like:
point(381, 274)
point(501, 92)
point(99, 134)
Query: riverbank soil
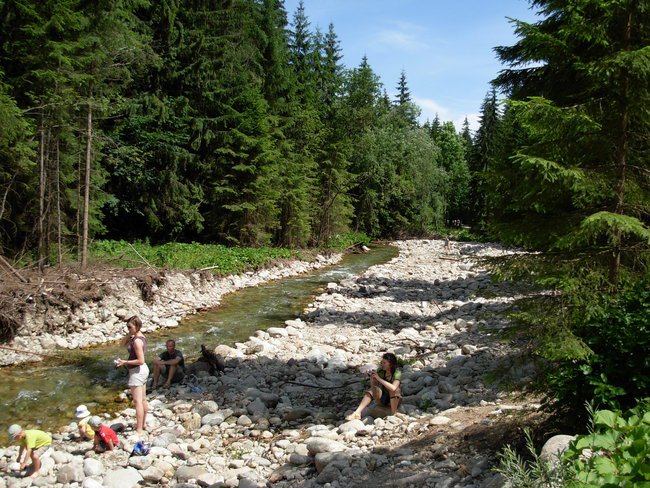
point(60, 289)
point(275, 417)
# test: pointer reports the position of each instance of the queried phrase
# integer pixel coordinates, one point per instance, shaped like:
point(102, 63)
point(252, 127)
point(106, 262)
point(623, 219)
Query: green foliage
point(17, 172)
point(614, 332)
point(209, 121)
point(188, 256)
point(532, 473)
point(463, 234)
point(454, 161)
point(615, 454)
point(340, 242)
point(401, 185)
point(569, 181)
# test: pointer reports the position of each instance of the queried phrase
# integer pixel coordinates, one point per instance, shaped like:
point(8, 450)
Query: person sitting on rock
point(105, 437)
point(170, 364)
point(86, 432)
point(384, 387)
point(33, 442)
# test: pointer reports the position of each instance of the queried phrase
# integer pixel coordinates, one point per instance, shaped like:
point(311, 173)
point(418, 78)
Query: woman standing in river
point(136, 344)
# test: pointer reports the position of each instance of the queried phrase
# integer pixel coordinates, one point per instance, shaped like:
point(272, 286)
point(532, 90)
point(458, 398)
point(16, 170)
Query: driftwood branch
point(322, 387)
point(143, 259)
point(208, 267)
point(12, 269)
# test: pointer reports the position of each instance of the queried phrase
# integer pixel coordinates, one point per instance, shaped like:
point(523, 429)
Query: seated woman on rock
point(384, 387)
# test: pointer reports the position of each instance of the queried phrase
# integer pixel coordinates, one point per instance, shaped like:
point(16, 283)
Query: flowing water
point(44, 395)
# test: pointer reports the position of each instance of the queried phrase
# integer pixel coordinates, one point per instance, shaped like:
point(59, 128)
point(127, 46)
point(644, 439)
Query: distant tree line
point(210, 121)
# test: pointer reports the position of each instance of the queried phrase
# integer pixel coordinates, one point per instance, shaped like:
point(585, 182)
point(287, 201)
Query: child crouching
point(105, 437)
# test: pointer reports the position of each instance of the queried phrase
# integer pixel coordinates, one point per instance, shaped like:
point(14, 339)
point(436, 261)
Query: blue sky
point(444, 46)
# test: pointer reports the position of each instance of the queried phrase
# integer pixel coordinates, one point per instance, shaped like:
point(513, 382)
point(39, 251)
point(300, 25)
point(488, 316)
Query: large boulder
point(555, 446)
point(317, 445)
point(123, 478)
point(70, 473)
point(93, 467)
point(185, 473)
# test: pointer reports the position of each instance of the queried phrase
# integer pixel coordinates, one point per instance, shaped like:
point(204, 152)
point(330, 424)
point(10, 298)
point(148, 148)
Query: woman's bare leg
point(141, 407)
point(394, 404)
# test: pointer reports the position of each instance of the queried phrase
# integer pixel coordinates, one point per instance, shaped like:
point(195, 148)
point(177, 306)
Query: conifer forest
point(235, 122)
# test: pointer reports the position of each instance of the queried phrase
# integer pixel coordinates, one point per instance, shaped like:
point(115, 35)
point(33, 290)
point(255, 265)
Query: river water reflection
point(44, 395)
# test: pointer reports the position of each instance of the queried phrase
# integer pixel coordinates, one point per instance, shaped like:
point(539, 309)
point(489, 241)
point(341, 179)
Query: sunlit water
point(44, 395)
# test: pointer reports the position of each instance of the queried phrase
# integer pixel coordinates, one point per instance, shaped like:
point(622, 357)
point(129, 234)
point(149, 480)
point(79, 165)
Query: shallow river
point(45, 394)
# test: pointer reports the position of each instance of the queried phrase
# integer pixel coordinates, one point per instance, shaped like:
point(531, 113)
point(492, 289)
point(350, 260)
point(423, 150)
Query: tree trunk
point(41, 201)
point(621, 153)
point(49, 193)
point(59, 255)
point(78, 222)
point(84, 238)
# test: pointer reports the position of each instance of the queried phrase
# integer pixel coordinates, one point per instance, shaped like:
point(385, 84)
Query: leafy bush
point(535, 473)
point(339, 242)
point(615, 454)
point(464, 234)
point(616, 369)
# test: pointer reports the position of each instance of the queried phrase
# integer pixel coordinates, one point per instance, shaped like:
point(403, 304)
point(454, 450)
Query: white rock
point(93, 467)
point(122, 478)
point(316, 445)
point(277, 332)
point(555, 446)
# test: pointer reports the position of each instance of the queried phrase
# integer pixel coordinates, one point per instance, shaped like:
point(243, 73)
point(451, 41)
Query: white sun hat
point(82, 412)
point(14, 430)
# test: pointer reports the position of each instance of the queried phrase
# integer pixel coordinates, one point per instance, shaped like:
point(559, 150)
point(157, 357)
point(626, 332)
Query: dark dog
point(209, 362)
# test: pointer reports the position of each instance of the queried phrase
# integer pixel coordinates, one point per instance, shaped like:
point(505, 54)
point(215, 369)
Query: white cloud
point(400, 39)
point(431, 107)
point(403, 35)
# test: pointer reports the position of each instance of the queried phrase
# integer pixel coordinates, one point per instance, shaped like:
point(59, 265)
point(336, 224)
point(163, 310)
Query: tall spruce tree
point(151, 165)
point(297, 173)
point(407, 110)
point(484, 152)
point(361, 112)
point(17, 173)
point(231, 129)
point(333, 202)
point(578, 189)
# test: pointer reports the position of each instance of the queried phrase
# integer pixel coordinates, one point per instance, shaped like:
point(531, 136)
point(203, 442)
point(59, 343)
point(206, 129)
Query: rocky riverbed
point(276, 416)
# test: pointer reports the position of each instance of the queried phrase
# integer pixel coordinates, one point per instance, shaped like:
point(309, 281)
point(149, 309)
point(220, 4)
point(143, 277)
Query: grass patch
point(340, 242)
point(175, 255)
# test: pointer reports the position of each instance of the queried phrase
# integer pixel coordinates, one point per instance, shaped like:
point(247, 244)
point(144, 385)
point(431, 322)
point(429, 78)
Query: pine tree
point(403, 104)
point(297, 173)
point(577, 189)
point(586, 138)
point(151, 166)
point(361, 112)
point(235, 138)
point(17, 173)
point(483, 154)
point(333, 203)
point(434, 130)
point(466, 135)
